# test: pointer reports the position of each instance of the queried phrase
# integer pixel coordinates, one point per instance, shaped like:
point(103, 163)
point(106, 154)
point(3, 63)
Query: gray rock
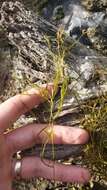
point(87, 70)
point(30, 59)
point(78, 21)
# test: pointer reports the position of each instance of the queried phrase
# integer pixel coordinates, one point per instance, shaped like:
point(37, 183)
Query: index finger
point(14, 107)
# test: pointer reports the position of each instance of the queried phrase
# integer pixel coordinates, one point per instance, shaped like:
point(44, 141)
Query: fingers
point(35, 167)
point(28, 136)
point(14, 107)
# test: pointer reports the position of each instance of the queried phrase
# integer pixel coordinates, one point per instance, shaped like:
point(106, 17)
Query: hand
point(27, 136)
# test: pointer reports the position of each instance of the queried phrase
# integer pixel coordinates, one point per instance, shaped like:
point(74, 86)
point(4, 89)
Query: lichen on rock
point(95, 5)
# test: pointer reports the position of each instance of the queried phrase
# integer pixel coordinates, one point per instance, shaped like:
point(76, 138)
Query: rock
point(87, 70)
point(21, 35)
point(29, 55)
point(88, 28)
point(26, 59)
point(98, 38)
point(95, 5)
point(24, 32)
point(36, 151)
point(5, 60)
point(78, 21)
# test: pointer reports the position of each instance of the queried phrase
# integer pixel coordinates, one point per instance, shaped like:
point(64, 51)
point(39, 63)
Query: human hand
point(27, 136)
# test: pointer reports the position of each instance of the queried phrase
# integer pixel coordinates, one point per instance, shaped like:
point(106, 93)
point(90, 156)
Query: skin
point(27, 136)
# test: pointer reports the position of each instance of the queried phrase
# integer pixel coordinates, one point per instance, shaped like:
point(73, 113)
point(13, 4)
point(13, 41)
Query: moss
point(95, 121)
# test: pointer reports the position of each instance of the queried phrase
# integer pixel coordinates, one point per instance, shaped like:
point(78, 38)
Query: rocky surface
point(24, 55)
point(95, 5)
point(88, 27)
point(24, 32)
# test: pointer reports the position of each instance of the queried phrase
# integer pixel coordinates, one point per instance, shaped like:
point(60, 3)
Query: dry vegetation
point(94, 113)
